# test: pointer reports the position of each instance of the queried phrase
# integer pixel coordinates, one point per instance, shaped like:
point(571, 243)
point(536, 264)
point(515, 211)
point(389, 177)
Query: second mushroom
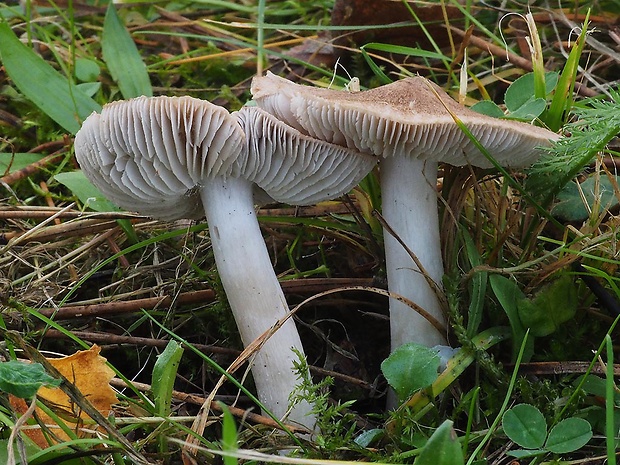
point(410, 125)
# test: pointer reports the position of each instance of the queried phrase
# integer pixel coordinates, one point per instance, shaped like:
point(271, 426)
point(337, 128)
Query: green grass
point(509, 258)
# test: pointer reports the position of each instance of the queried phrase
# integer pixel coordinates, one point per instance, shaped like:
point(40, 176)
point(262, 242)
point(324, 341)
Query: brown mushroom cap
point(409, 117)
point(294, 168)
point(152, 154)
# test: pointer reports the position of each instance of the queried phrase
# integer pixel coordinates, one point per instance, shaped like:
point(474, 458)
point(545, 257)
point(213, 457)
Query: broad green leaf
point(569, 435)
point(29, 447)
point(163, 377)
point(411, 367)
point(489, 108)
point(86, 70)
point(123, 58)
point(13, 11)
point(521, 92)
point(88, 194)
point(164, 374)
point(42, 84)
point(550, 307)
point(571, 207)
point(89, 88)
point(525, 425)
point(23, 380)
point(16, 161)
point(457, 365)
point(530, 110)
point(593, 384)
point(442, 448)
point(508, 294)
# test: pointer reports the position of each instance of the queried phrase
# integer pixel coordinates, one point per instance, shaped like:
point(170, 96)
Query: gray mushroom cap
point(293, 168)
point(151, 155)
point(409, 117)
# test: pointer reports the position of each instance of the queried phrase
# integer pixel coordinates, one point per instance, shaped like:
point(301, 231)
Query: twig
point(107, 338)
point(495, 50)
point(293, 286)
point(16, 213)
point(63, 230)
point(32, 168)
point(199, 400)
point(125, 306)
point(562, 368)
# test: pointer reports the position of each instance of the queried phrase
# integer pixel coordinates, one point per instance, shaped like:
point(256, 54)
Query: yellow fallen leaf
point(88, 371)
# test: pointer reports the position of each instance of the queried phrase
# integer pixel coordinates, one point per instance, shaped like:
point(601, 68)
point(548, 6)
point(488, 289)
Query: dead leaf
point(87, 370)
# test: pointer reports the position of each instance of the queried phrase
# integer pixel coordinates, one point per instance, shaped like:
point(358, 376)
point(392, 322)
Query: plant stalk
point(254, 293)
point(409, 206)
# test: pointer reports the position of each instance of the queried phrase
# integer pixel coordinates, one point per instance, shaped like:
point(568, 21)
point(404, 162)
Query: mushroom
point(164, 156)
point(410, 125)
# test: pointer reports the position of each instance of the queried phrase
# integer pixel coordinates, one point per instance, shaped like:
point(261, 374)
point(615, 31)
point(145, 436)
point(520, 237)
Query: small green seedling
point(525, 425)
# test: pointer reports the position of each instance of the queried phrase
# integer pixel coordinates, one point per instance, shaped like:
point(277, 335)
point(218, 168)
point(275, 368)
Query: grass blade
point(509, 294)
point(610, 389)
point(402, 50)
point(123, 58)
point(562, 100)
point(374, 67)
point(164, 374)
point(478, 286)
point(229, 437)
point(43, 85)
point(456, 365)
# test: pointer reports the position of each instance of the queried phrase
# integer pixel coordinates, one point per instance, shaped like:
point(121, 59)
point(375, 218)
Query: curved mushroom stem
point(409, 205)
point(254, 293)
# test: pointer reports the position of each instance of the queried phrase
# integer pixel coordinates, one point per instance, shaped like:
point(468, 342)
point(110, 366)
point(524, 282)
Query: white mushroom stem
point(409, 206)
point(254, 294)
